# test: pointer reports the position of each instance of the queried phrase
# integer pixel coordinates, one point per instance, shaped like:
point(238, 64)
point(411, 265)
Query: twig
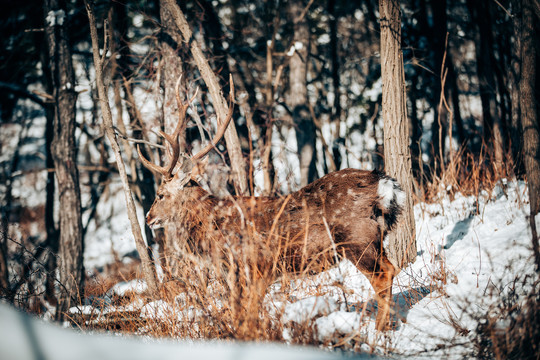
point(304, 12)
point(136, 141)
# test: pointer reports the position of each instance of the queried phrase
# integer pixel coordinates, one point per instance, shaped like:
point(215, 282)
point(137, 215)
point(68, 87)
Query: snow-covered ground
point(470, 250)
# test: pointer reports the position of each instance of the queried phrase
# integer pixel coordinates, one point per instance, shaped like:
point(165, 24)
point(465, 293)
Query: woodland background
point(308, 86)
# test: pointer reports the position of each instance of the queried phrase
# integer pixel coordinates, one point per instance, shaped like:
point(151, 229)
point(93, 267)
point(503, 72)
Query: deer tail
point(391, 200)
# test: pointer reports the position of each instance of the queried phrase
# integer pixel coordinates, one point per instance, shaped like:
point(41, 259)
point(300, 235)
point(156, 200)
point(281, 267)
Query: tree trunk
point(298, 99)
point(65, 159)
point(516, 141)
point(171, 67)
point(4, 267)
point(50, 225)
point(148, 268)
point(440, 121)
point(218, 100)
point(170, 45)
point(336, 109)
point(454, 94)
point(480, 13)
point(397, 157)
point(529, 115)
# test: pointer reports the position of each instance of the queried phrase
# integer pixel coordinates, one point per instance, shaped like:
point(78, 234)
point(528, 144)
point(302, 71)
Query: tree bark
point(440, 121)
point(149, 271)
point(334, 58)
point(170, 45)
point(480, 13)
point(64, 154)
point(529, 115)
point(50, 225)
point(4, 267)
point(397, 157)
point(298, 99)
point(171, 67)
point(516, 141)
point(218, 100)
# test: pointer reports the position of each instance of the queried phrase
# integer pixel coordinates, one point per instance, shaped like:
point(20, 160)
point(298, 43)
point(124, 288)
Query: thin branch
point(136, 141)
point(22, 92)
point(504, 9)
point(304, 12)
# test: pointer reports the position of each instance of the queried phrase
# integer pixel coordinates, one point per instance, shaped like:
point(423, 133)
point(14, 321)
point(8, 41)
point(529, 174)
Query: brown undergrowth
point(464, 172)
point(226, 296)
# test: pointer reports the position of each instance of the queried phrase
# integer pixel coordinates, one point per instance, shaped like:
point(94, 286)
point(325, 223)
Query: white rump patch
point(400, 197)
point(386, 244)
point(385, 192)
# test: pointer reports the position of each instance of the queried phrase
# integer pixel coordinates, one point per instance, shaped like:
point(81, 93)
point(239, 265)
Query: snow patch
point(338, 323)
point(159, 310)
point(306, 309)
point(136, 286)
point(55, 18)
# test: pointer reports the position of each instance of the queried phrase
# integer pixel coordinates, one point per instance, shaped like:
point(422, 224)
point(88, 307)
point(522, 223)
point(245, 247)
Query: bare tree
point(149, 272)
point(485, 63)
point(298, 97)
point(336, 108)
point(397, 157)
point(171, 66)
point(529, 113)
point(220, 104)
point(64, 156)
point(514, 75)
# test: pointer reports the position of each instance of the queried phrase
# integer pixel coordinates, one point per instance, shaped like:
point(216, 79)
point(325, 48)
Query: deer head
point(181, 188)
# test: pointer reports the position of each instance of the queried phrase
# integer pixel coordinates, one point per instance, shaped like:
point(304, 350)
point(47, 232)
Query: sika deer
point(345, 214)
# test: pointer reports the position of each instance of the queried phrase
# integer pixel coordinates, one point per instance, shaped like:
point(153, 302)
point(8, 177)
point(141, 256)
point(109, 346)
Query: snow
point(23, 337)
point(55, 17)
point(470, 250)
point(305, 309)
point(136, 286)
point(157, 310)
point(109, 235)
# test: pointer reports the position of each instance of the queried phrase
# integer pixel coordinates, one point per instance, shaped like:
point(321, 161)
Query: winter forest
point(176, 179)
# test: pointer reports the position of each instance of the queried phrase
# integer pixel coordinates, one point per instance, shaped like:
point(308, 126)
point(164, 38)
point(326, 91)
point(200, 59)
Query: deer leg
point(381, 280)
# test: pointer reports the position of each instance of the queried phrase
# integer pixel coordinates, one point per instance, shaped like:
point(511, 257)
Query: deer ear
point(183, 175)
point(187, 165)
point(199, 168)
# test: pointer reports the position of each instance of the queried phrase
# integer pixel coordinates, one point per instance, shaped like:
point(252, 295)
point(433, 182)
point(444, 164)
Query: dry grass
point(225, 295)
point(466, 173)
point(510, 329)
point(220, 295)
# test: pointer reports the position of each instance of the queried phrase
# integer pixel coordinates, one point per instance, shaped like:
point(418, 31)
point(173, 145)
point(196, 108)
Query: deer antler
point(222, 126)
point(172, 139)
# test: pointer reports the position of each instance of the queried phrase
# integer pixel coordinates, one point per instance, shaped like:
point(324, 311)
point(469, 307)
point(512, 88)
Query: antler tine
point(150, 165)
point(222, 126)
point(172, 139)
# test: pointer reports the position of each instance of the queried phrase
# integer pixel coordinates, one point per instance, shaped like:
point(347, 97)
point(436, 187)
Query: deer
point(345, 214)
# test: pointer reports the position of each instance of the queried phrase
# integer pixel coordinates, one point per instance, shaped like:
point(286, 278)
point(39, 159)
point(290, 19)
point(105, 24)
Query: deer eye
point(160, 196)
